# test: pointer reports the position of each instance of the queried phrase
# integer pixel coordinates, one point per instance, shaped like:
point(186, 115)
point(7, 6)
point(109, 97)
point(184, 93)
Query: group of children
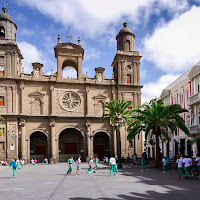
point(185, 165)
point(92, 162)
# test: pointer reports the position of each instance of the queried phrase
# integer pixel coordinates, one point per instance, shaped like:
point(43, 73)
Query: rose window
point(70, 101)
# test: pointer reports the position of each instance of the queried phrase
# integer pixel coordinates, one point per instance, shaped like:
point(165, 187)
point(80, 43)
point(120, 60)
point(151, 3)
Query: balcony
point(194, 99)
point(195, 129)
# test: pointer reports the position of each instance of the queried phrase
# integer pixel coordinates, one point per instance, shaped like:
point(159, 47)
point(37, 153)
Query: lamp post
point(14, 136)
point(118, 124)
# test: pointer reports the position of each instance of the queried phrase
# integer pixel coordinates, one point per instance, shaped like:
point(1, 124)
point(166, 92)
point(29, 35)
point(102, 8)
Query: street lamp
point(118, 124)
point(14, 136)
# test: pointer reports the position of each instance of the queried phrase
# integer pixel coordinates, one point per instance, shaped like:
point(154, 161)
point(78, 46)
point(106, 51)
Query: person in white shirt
point(22, 163)
point(78, 165)
point(17, 162)
point(163, 164)
point(197, 160)
point(179, 161)
point(186, 162)
point(190, 167)
point(91, 162)
point(113, 165)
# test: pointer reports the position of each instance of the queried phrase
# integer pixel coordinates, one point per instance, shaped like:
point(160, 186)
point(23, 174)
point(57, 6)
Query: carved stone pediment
point(194, 71)
point(36, 94)
point(165, 93)
point(100, 97)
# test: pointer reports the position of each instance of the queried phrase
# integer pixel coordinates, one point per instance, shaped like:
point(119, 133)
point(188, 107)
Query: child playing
point(143, 163)
point(180, 167)
point(70, 162)
point(163, 164)
point(197, 160)
point(167, 162)
point(14, 167)
point(78, 164)
point(90, 165)
point(22, 163)
point(113, 165)
point(96, 162)
point(186, 163)
point(45, 161)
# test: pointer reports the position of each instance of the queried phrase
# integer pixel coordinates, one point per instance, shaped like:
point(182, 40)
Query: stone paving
point(40, 182)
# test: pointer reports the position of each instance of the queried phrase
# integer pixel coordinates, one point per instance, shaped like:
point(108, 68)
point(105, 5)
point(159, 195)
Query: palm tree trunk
point(118, 146)
point(157, 163)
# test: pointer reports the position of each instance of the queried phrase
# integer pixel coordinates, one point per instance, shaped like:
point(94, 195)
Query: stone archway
point(101, 145)
point(70, 144)
point(38, 146)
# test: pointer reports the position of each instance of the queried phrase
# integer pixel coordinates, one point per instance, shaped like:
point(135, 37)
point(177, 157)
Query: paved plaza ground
point(40, 182)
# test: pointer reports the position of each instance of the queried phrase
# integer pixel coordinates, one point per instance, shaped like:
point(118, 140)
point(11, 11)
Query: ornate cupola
point(125, 39)
point(10, 62)
point(126, 64)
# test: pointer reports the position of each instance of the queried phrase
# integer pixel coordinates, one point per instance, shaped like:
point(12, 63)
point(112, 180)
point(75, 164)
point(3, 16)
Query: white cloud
point(154, 89)
point(26, 32)
point(91, 53)
point(174, 47)
point(94, 18)
point(32, 54)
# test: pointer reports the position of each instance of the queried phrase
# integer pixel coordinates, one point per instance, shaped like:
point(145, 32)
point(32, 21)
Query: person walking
point(179, 161)
point(78, 165)
point(96, 160)
point(167, 162)
point(197, 160)
point(143, 163)
point(186, 163)
point(113, 165)
point(45, 162)
point(22, 163)
point(135, 159)
point(163, 164)
point(14, 167)
point(17, 163)
point(70, 163)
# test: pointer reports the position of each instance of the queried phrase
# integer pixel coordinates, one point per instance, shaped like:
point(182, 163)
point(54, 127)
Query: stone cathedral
point(56, 117)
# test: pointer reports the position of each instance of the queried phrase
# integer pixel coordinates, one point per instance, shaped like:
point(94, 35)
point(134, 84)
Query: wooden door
point(70, 148)
point(99, 150)
point(40, 150)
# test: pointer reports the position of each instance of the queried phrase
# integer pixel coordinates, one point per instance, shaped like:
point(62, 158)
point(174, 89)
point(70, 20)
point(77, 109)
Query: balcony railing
point(194, 99)
point(195, 129)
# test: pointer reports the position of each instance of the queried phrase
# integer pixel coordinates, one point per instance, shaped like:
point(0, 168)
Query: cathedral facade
point(55, 117)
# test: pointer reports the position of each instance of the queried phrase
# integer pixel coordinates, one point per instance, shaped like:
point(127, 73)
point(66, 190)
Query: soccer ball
point(94, 171)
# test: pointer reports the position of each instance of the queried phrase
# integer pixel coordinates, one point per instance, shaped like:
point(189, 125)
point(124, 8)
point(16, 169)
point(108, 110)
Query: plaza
point(40, 182)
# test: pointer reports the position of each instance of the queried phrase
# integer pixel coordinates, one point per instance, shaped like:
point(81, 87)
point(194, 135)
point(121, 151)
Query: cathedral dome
point(125, 29)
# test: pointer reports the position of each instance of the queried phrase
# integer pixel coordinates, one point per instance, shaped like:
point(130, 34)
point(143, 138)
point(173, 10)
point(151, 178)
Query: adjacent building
point(56, 117)
point(184, 91)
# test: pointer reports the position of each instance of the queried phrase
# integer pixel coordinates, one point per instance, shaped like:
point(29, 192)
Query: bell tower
point(126, 64)
point(10, 55)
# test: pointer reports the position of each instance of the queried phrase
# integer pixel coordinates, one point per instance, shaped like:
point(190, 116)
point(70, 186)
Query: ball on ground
point(94, 171)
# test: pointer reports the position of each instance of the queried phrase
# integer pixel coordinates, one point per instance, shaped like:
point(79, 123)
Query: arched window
point(2, 32)
point(128, 78)
point(37, 106)
point(69, 69)
point(127, 45)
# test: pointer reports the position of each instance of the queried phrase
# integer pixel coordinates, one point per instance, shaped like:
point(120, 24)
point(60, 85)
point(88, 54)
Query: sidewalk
point(39, 182)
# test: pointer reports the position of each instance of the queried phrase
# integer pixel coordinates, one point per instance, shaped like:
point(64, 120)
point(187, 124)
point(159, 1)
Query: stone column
point(13, 65)
point(53, 141)
point(79, 67)
point(59, 68)
point(8, 63)
point(88, 129)
point(92, 146)
point(134, 73)
point(9, 100)
point(138, 73)
point(23, 139)
point(52, 99)
point(14, 99)
point(135, 100)
point(123, 72)
point(119, 71)
point(139, 98)
point(22, 99)
point(87, 100)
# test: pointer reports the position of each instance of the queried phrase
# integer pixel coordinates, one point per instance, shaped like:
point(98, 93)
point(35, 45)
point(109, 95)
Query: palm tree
point(158, 120)
point(118, 113)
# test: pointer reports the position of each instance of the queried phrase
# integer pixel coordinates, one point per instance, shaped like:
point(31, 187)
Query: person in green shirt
point(70, 163)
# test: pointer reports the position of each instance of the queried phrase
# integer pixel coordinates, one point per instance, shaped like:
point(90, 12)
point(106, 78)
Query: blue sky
point(167, 34)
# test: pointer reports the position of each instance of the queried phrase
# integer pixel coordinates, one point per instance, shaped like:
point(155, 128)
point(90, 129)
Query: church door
point(40, 150)
point(70, 148)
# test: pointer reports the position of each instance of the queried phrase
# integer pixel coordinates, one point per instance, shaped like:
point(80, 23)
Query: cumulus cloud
point(173, 47)
point(154, 89)
point(32, 54)
point(91, 53)
point(94, 18)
